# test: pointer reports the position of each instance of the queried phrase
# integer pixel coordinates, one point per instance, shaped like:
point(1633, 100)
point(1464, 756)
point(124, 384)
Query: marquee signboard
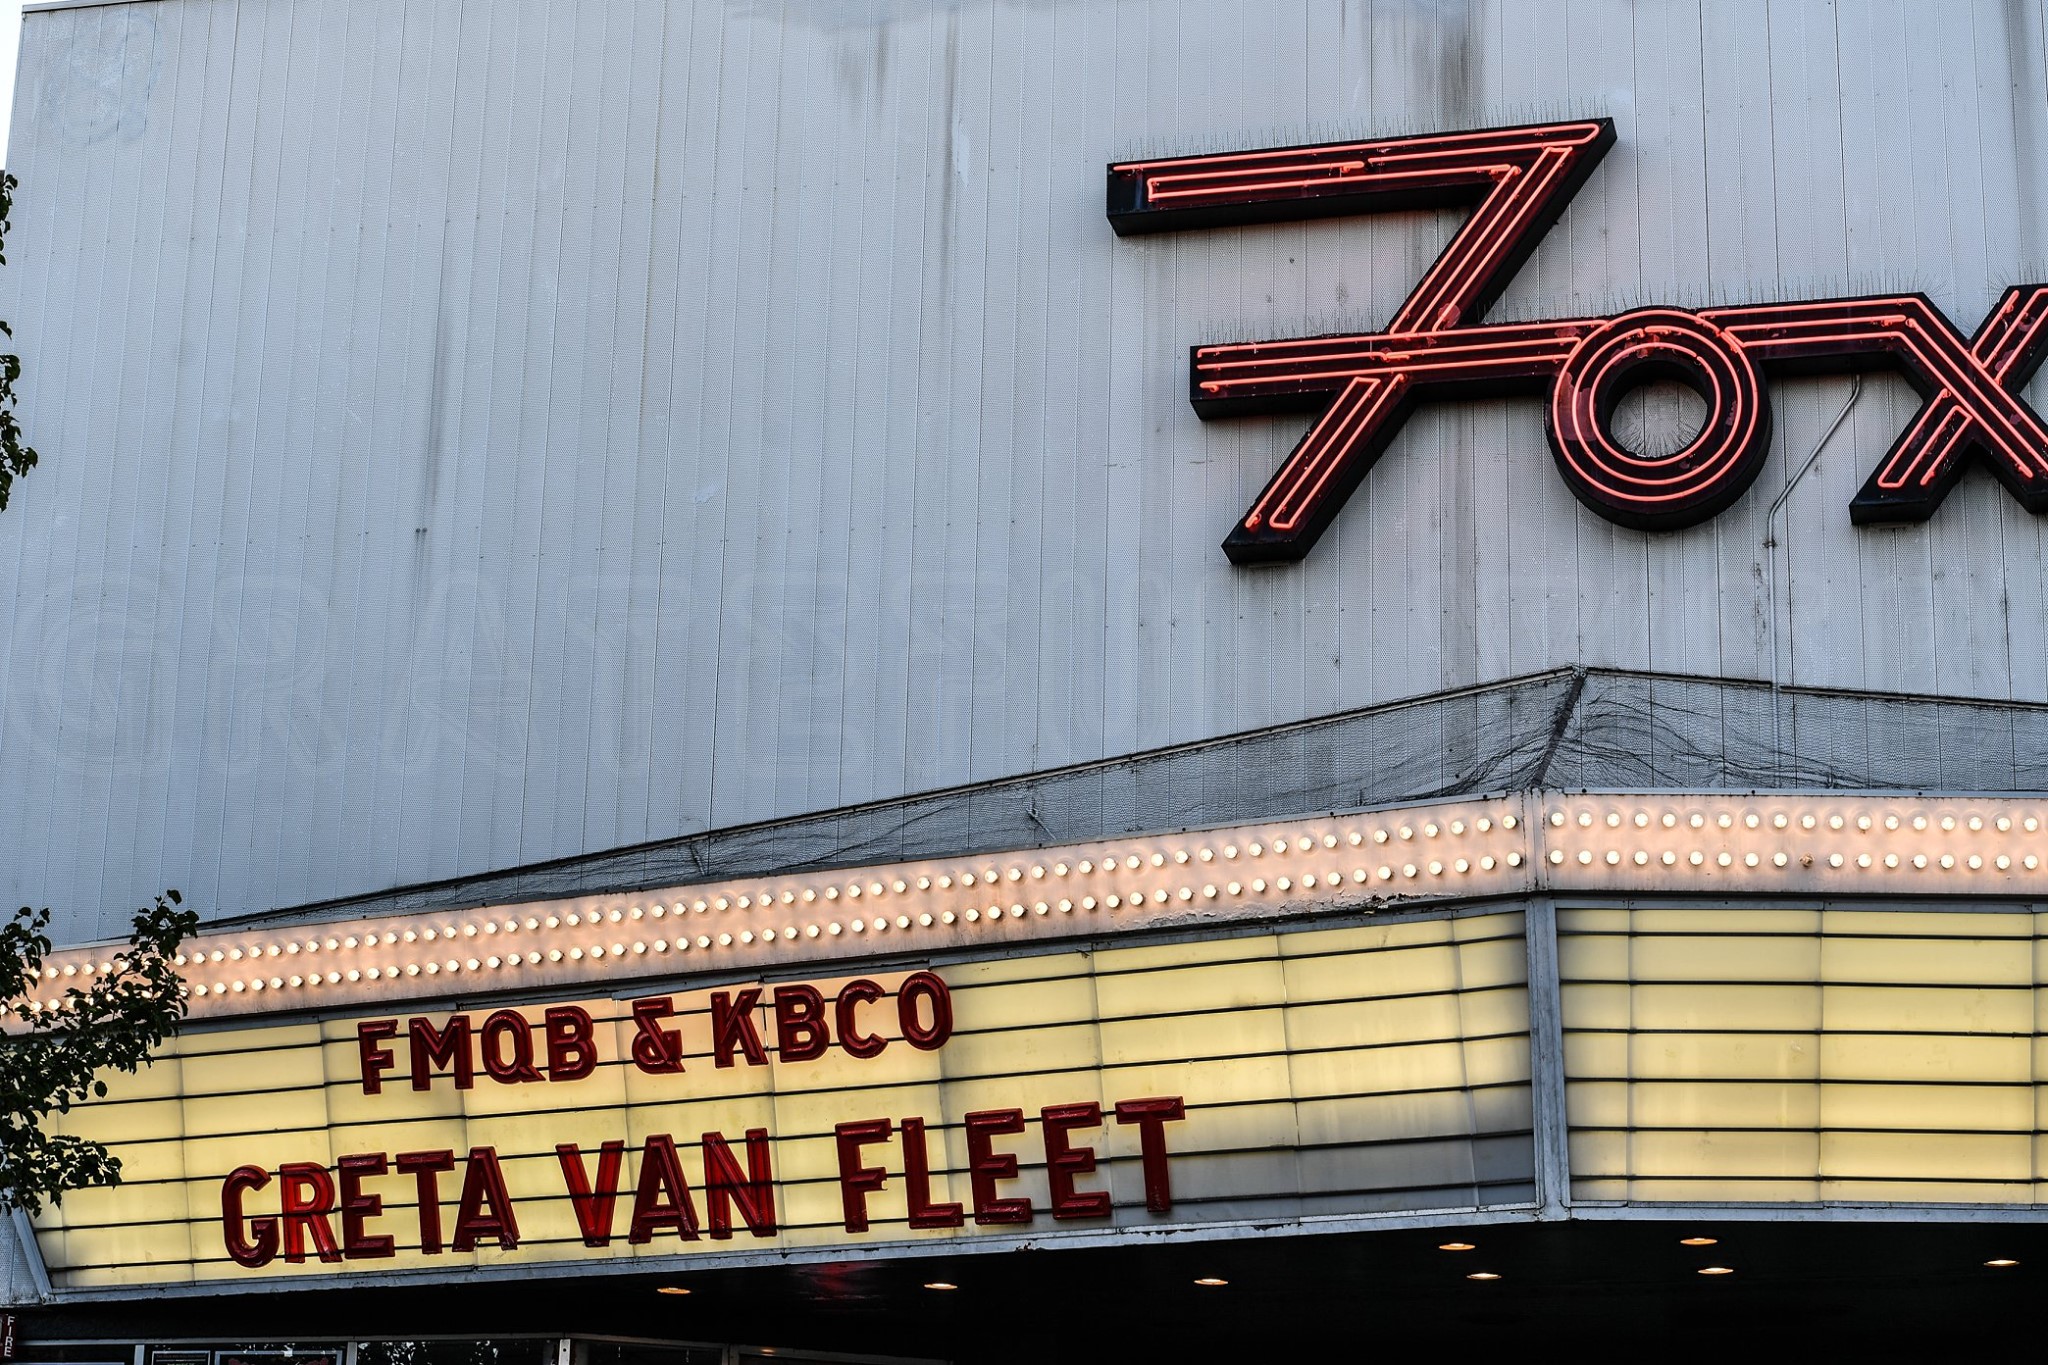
point(1859, 1004)
point(1363, 386)
point(1285, 1078)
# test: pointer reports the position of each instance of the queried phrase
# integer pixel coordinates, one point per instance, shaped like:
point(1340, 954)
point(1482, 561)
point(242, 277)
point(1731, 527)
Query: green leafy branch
point(54, 1056)
point(17, 457)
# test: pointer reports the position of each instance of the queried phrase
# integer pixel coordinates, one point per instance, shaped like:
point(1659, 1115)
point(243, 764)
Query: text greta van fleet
point(305, 1210)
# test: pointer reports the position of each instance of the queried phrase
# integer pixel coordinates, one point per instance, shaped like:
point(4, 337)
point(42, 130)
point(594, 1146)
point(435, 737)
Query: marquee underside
point(1885, 1286)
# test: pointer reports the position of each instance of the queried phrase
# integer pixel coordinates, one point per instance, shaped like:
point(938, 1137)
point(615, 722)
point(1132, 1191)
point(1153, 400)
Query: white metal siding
point(483, 431)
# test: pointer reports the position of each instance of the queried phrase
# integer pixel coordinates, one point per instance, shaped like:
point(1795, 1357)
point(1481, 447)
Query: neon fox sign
point(1363, 386)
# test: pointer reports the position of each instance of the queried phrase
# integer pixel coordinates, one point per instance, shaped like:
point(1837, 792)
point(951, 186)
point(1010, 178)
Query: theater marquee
point(1039, 1097)
point(1475, 1010)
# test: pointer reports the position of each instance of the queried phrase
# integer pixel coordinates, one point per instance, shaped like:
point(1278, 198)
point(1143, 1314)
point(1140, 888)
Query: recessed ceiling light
point(1456, 1246)
point(1698, 1241)
point(671, 1289)
point(1211, 1282)
point(1482, 1275)
point(2002, 1263)
point(940, 1284)
point(1717, 1270)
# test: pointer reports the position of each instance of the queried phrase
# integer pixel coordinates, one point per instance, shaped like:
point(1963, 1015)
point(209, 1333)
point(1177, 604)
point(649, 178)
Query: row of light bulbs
point(1780, 820)
point(1863, 839)
point(1698, 858)
point(1444, 852)
point(1059, 891)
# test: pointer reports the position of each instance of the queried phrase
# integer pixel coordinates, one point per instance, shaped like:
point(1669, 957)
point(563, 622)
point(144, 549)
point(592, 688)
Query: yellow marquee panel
point(1324, 1071)
point(1803, 1055)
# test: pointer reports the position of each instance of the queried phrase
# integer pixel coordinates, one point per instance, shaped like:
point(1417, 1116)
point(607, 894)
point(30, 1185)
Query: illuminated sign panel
point(1519, 180)
point(1305, 1077)
point(1280, 1078)
point(1803, 1055)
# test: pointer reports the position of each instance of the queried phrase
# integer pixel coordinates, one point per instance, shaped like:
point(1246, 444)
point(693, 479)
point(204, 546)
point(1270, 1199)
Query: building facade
point(976, 680)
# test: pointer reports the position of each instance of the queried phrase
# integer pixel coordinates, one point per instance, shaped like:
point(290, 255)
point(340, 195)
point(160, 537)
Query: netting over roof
point(1566, 729)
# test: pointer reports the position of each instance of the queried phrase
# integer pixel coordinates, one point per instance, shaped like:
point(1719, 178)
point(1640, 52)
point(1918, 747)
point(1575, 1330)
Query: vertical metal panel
point(485, 433)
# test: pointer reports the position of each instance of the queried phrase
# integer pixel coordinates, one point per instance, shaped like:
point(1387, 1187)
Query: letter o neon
point(1689, 485)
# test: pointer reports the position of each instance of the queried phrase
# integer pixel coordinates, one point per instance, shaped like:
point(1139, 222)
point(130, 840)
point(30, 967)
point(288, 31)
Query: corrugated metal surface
point(481, 431)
